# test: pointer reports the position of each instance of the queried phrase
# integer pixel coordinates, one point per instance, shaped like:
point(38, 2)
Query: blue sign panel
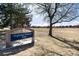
point(20, 36)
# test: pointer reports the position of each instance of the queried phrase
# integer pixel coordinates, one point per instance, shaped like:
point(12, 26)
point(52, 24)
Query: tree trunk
point(50, 28)
point(11, 21)
point(8, 41)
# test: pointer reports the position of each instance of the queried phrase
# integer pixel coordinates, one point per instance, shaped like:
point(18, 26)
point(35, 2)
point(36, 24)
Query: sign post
point(7, 38)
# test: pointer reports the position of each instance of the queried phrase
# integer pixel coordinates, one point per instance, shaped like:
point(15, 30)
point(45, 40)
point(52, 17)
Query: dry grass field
point(65, 42)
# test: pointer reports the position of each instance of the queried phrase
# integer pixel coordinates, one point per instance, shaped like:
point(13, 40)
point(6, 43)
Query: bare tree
point(57, 12)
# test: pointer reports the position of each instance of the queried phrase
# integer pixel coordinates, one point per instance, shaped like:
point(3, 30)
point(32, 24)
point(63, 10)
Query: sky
point(38, 20)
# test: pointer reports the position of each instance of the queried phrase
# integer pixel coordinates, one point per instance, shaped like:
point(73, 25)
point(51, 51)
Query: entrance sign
point(17, 34)
point(20, 36)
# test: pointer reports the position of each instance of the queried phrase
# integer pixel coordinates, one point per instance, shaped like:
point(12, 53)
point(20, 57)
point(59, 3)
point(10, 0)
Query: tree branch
point(70, 19)
point(67, 20)
point(56, 6)
point(63, 15)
